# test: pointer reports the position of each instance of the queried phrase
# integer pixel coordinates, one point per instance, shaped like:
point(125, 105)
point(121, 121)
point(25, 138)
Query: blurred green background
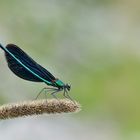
point(92, 45)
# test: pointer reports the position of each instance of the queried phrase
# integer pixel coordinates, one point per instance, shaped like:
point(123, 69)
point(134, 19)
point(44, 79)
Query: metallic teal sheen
point(59, 83)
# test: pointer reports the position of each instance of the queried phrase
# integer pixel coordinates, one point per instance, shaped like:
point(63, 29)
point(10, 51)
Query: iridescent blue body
point(26, 68)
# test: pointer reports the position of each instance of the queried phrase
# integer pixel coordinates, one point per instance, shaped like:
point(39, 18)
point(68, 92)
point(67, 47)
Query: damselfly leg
point(55, 92)
point(66, 94)
point(46, 91)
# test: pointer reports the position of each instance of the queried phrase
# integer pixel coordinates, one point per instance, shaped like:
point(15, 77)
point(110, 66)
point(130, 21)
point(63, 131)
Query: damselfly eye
point(68, 87)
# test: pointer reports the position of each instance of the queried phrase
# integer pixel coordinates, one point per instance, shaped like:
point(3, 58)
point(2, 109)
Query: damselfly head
point(68, 87)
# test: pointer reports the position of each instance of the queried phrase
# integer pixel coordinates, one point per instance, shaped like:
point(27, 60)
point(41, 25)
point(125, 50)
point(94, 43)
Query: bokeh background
point(93, 45)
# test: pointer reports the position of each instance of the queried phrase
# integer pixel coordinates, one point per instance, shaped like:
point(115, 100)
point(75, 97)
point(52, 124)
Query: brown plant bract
point(37, 107)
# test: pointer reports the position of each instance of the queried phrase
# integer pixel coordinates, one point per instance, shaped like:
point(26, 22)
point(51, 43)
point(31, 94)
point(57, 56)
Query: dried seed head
point(37, 107)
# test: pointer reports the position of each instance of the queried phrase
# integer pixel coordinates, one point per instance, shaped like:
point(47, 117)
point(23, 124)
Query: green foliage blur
point(92, 45)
